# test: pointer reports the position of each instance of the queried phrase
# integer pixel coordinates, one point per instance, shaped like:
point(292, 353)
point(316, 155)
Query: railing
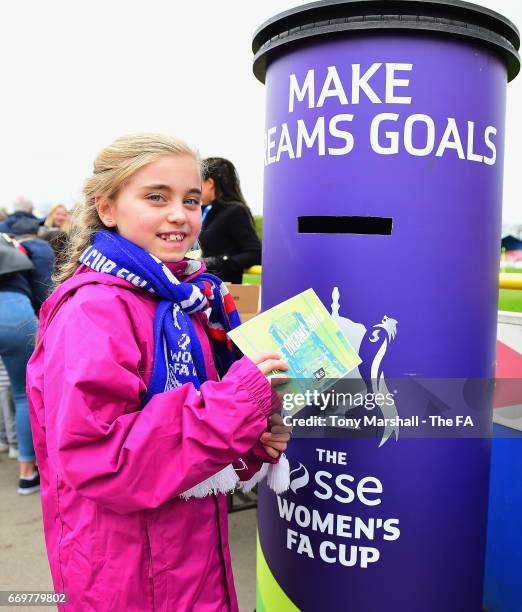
point(508, 280)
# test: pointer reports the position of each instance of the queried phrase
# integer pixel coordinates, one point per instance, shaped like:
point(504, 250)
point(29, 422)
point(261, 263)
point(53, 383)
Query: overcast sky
point(77, 74)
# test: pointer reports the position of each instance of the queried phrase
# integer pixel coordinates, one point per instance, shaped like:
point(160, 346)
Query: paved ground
point(23, 564)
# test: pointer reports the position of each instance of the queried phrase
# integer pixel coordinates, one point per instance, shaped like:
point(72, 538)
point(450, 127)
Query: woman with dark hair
point(228, 238)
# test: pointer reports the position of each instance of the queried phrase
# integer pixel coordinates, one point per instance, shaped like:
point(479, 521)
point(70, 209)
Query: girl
point(134, 448)
point(228, 237)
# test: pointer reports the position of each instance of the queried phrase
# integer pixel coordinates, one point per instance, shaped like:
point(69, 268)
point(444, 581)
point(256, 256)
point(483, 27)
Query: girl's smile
point(177, 237)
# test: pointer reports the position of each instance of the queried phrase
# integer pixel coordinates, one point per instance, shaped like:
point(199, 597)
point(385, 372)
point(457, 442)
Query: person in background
point(8, 441)
point(58, 240)
point(58, 218)
point(228, 239)
point(40, 253)
point(17, 336)
point(23, 209)
point(3, 214)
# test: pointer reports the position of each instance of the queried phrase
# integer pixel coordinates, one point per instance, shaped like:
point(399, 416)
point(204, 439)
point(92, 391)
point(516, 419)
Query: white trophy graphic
point(371, 346)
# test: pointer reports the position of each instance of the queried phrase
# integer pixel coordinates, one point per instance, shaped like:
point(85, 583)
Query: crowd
point(121, 389)
point(27, 262)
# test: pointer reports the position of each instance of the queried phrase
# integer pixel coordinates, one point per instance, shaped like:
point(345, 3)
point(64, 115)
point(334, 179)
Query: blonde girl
point(142, 416)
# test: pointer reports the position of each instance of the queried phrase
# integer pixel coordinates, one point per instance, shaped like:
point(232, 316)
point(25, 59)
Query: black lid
point(330, 17)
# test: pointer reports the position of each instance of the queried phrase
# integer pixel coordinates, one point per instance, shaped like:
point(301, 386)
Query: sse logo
point(301, 478)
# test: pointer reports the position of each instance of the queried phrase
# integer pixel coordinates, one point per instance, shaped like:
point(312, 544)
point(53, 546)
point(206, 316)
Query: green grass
point(251, 279)
point(510, 299)
point(508, 269)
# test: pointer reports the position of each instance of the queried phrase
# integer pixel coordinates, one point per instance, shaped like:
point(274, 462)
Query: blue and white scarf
point(178, 356)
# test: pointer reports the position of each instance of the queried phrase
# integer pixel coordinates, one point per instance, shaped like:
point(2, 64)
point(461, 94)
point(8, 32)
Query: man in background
point(23, 209)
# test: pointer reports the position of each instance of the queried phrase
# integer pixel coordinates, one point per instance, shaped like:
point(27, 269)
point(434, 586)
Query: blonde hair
point(49, 221)
point(112, 167)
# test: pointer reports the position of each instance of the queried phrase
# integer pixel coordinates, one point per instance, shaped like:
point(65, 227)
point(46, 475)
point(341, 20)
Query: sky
point(76, 75)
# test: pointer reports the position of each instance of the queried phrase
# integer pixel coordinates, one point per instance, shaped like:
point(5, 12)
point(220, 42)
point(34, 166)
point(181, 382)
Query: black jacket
point(229, 241)
point(34, 281)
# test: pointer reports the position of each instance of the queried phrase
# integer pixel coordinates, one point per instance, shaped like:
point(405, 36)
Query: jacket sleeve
point(252, 461)
point(246, 242)
point(111, 451)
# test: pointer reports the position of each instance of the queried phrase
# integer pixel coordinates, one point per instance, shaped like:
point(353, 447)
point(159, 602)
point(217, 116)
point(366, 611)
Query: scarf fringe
point(224, 481)
point(277, 476)
point(248, 485)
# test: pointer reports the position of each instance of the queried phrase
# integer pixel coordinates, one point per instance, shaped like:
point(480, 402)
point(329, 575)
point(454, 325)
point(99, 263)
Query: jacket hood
point(83, 276)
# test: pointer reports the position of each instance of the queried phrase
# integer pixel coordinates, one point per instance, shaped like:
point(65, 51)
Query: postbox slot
point(320, 224)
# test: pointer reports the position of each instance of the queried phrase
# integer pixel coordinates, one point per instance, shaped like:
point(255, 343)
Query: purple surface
point(437, 489)
point(437, 275)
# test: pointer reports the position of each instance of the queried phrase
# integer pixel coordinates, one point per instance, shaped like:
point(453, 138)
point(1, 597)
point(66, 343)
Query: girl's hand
point(275, 441)
point(268, 362)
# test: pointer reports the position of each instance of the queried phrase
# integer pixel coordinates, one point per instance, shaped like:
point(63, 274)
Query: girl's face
point(158, 207)
point(59, 216)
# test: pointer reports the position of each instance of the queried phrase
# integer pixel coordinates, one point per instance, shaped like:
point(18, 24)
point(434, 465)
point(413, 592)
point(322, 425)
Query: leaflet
point(305, 334)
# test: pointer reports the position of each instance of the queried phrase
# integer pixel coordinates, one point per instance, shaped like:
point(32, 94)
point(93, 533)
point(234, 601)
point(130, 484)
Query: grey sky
point(75, 75)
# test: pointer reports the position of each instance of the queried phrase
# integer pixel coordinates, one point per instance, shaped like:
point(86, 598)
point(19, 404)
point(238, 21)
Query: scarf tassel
point(277, 476)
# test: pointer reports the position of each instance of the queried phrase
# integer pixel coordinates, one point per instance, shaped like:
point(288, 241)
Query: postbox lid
point(328, 18)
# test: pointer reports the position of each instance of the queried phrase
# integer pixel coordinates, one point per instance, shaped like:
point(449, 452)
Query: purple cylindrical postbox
point(383, 190)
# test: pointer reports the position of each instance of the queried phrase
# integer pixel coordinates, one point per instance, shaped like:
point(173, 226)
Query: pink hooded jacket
point(118, 536)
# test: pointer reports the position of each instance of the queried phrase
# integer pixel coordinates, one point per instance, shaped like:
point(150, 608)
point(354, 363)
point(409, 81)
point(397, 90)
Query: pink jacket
point(118, 536)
